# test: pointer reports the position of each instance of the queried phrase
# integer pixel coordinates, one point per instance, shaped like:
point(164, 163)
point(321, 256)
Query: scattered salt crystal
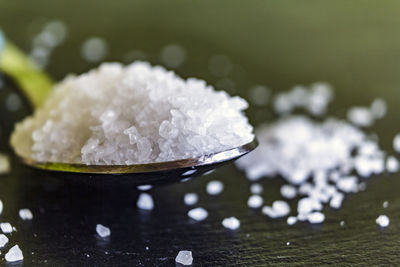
point(14, 254)
point(291, 220)
point(396, 143)
point(259, 95)
point(378, 108)
point(3, 240)
point(255, 201)
point(316, 217)
point(4, 164)
point(392, 164)
point(383, 221)
point(347, 184)
point(231, 223)
point(305, 205)
point(94, 49)
point(256, 189)
point(336, 201)
point(385, 204)
point(184, 257)
point(103, 231)
point(360, 116)
point(278, 209)
point(341, 223)
point(215, 187)
point(191, 199)
point(6, 227)
point(288, 243)
point(25, 214)
point(144, 187)
point(145, 202)
point(288, 191)
point(198, 214)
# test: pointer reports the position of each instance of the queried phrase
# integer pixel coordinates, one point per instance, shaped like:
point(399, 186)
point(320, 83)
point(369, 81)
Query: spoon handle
point(34, 83)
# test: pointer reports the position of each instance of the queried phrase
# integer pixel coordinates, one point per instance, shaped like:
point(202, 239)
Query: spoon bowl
point(156, 173)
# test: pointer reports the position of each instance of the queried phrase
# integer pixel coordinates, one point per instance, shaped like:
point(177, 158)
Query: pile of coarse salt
point(131, 114)
point(320, 160)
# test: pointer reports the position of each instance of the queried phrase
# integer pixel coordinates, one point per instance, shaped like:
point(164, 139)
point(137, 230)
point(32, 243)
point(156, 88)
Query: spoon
point(36, 86)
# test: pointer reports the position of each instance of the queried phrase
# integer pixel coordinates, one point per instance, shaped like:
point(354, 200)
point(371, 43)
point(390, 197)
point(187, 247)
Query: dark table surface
point(355, 47)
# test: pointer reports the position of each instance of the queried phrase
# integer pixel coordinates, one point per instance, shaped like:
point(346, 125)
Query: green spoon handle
point(34, 83)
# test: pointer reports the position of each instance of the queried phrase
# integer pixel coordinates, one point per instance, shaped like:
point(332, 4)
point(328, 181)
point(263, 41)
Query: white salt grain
point(103, 231)
point(231, 223)
point(14, 254)
point(215, 187)
point(25, 214)
point(145, 187)
point(347, 184)
point(191, 199)
point(396, 143)
point(383, 221)
point(336, 201)
point(184, 257)
point(385, 204)
point(94, 49)
point(198, 214)
point(392, 164)
point(288, 191)
point(117, 115)
point(256, 189)
point(259, 95)
point(378, 108)
point(360, 116)
point(145, 202)
point(3, 240)
point(341, 223)
point(278, 209)
point(4, 164)
point(255, 201)
point(6, 228)
point(291, 220)
point(173, 55)
point(316, 217)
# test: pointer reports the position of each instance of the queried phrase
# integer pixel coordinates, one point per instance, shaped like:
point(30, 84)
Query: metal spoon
point(36, 89)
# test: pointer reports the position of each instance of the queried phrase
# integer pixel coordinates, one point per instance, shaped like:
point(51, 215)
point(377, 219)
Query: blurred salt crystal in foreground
point(396, 143)
point(383, 221)
point(173, 55)
point(4, 164)
point(103, 231)
point(14, 254)
point(215, 188)
point(132, 114)
point(191, 199)
point(94, 49)
point(184, 257)
point(198, 214)
point(25, 214)
point(145, 202)
point(231, 223)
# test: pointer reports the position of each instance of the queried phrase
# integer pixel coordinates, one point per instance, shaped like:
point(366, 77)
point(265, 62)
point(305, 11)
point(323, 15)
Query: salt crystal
point(256, 189)
point(385, 204)
point(360, 116)
point(291, 220)
point(184, 257)
point(341, 223)
point(215, 188)
point(4, 164)
point(383, 221)
point(94, 49)
point(145, 202)
point(255, 201)
point(347, 184)
point(198, 214)
point(189, 172)
point(378, 108)
point(392, 164)
point(336, 201)
point(14, 254)
point(25, 214)
point(191, 199)
point(145, 187)
point(288, 191)
point(259, 95)
point(6, 228)
point(231, 223)
point(316, 217)
point(103, 231)
point(278, 209)
point(3, 240)
point(396, 143)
